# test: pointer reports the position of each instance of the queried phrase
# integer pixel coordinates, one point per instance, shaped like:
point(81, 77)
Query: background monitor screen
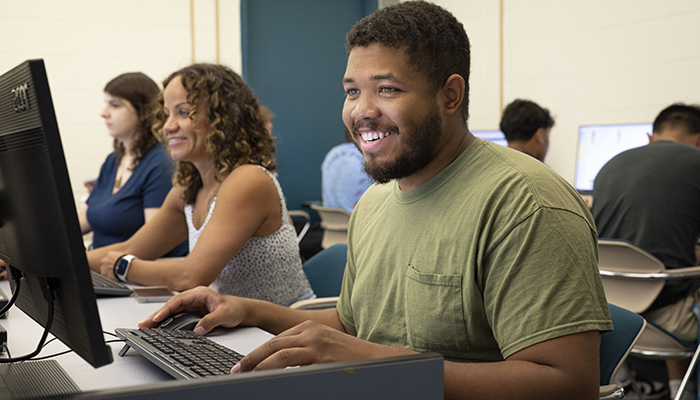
point(597, 144)
point(40, 237)
point(495, 136)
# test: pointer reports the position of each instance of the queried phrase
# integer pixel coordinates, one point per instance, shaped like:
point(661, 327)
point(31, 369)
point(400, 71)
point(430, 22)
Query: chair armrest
point(612, 391)
point(307, 222)
point(677, 273)
point(315, 304)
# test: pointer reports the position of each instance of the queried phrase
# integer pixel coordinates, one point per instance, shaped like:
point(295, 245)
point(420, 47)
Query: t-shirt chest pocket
point(434, 311)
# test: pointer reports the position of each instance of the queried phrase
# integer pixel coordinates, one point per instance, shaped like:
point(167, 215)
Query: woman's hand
point(107, 264)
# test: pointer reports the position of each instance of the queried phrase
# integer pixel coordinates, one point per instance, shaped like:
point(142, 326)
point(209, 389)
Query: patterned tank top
point(266, 268)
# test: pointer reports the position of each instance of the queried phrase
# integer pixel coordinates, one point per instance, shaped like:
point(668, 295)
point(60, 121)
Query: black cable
point(16, 276)
point(48, 295)
point(70, 351)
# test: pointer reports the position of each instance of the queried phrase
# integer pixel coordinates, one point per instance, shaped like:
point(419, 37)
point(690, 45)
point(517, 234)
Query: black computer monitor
point(597, 144)
point(40, 237)
point(495, 136)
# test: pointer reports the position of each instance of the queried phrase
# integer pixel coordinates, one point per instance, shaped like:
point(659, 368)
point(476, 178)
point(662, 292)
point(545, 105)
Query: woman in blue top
point(134, 179)
point(226, 199)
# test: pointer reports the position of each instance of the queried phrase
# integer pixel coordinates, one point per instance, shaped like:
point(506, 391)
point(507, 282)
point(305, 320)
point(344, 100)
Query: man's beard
point(420, 141)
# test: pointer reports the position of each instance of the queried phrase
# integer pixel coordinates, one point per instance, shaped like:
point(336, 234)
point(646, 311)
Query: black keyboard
point(182, 354)
point(105, 287)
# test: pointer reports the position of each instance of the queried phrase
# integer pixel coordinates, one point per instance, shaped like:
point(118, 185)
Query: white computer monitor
point(597, 144)
point(495, 136)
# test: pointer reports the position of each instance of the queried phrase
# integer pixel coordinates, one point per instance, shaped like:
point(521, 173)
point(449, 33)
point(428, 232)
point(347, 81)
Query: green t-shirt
point(494, 254)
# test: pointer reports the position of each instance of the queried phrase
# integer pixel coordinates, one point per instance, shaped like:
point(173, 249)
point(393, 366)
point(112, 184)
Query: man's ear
point(453, 90)
point(540, 136)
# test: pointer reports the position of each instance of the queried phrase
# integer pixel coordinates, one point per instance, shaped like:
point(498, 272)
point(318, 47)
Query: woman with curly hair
point(134, 179)
point(225, 199)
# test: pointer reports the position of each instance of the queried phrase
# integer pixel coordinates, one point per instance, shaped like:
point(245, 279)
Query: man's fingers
point(287, 357)
point(162, 313)
point(186, 301)
point(276, 353)
point(260, 355)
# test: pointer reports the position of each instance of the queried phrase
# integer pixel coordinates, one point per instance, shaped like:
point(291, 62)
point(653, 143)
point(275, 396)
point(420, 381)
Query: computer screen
point(40, 237)
point(495, 136)
point(597, 144)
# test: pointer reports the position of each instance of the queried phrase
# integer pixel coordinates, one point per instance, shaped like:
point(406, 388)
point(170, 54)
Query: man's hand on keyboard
point(305, 336)
point(312, 343)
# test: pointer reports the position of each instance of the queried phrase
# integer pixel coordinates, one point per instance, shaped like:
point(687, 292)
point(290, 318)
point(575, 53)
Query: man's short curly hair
point(522, 118)
point(236, 132)
point(434, 40)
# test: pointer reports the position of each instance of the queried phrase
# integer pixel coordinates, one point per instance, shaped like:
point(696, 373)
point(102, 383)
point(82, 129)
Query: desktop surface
point(418, 376)
point(132, 369)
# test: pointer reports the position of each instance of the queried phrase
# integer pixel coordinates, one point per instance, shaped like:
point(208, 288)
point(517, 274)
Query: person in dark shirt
point(650, 196)
point(134, 179)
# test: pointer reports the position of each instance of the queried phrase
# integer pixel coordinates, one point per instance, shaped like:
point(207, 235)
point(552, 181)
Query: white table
point(132, 369)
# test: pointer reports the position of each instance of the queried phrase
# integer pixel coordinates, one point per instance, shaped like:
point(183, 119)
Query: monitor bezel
point(76, 320)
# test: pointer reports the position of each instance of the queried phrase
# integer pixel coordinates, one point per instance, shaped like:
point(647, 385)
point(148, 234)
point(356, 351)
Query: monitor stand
point(35, 379)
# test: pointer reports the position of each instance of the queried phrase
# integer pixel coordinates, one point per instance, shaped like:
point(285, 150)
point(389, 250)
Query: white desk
point(133, 377)
point(23, 335)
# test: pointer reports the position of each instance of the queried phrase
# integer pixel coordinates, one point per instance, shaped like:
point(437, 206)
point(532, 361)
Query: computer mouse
point(182, 322)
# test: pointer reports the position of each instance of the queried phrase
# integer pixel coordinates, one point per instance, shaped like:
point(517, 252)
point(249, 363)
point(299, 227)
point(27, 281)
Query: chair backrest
point(631, 293)
point(616, 345)
point(325, 270)
point(334, 222)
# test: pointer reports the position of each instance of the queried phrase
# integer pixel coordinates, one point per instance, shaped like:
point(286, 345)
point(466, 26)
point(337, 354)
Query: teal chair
point(615, 346)
point(325, 274)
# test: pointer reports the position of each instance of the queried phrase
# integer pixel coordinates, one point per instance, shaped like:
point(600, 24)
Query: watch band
point(121, 266)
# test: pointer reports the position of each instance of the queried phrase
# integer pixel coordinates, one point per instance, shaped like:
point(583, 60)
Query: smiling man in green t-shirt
point(476, 252)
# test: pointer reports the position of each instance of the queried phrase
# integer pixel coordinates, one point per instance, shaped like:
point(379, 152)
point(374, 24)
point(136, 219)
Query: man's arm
point(231, 311)
point(566, 367)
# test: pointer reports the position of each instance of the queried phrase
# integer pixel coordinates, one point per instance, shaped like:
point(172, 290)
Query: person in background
point(649, 196)
point(344, 179)
point(267, 116)
point(526, 126)
point(462, 247)
point(226, 199)
point(134, 179)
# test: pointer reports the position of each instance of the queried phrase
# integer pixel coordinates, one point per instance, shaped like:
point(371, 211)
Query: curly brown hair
point(434, 40)
point(236, 132)
point(141, 91)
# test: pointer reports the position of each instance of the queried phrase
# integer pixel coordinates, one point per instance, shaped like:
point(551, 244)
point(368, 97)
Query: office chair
point(325, 274)
point(302, 222)
point(615, 346)
point(334, 222)
point(632, 279)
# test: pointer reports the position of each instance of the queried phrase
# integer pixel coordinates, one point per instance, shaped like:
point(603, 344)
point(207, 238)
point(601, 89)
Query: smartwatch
point(121, 267)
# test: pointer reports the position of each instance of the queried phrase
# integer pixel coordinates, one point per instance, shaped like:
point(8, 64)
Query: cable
point(16, 276)
point(70, 351)
point(48, 295)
